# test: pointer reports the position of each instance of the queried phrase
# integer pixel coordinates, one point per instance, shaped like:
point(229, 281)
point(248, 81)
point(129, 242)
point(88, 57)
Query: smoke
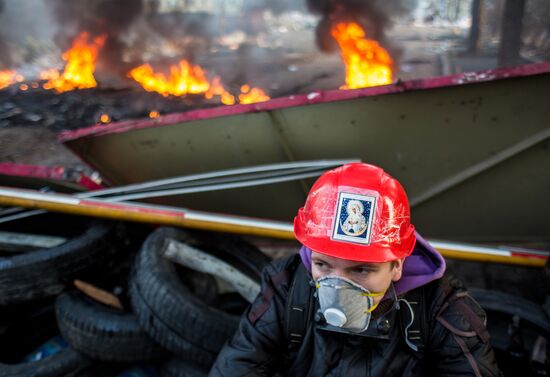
point(111, 18)
point(5, 58)
point(24, 25)
point(375, 16)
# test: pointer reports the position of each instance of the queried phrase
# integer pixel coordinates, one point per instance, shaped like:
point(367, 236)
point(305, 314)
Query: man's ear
point(397, 269)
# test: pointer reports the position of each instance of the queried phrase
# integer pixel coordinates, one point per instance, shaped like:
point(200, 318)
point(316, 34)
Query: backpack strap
point(299, 309)
point(257, 310)
point(456, 294)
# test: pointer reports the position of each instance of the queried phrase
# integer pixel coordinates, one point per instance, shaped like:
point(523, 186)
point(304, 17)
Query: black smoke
point(109, 18)
point(373, 15)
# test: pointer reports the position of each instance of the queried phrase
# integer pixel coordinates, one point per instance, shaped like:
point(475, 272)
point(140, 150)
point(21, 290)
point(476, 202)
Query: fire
point(104, 118)
point(80, 67)
point(154, 114)
point(9, 77)
point(367, 63)
point(252, 95)
point(186, 78)
point(217, 89)
point(49, 74)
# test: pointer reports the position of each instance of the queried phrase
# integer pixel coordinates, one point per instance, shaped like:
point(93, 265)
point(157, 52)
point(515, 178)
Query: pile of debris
point(92, 297)
point(81, 108)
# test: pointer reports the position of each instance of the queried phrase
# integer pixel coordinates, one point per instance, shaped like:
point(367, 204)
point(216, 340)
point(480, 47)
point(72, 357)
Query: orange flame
point(104, 118)
point(186, 78)
point(80, 67)
point(367, 63)
point(9, 77)
point(252, 95)
point(217, 89)
point(154, 114)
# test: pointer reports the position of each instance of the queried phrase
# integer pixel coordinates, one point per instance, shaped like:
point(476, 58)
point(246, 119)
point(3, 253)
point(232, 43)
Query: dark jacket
point(451, 337)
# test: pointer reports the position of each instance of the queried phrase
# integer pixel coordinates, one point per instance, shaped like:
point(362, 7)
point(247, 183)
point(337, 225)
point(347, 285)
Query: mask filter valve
point(335, 317)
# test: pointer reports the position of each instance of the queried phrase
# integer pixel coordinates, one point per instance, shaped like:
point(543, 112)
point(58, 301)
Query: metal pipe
point(186, 218)
point(145, 213)
point(316, 164)
point(211, 187)
point(218, 180)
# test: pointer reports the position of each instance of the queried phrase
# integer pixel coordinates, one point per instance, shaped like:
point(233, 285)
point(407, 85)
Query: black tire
point(66, 362)
point(515, 325)
point(45, 272)
point(182, 368)
point(513, 305)
point(101, 332)
point(24, 328)
point(34, 331)
point(168, 310)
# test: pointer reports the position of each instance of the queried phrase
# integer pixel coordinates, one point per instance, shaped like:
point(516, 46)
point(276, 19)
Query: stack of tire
point(182, 294)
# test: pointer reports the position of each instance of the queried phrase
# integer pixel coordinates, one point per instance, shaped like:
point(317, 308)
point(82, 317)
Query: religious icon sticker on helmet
point(353, 218)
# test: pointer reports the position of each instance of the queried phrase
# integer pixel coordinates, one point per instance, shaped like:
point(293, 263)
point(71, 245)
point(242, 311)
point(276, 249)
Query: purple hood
point(424, 265)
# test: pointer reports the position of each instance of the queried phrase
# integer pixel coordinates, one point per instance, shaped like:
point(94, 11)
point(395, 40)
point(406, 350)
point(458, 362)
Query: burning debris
point(110, 46)
point(186, 78)
point(109, 20)
point(358, 29)
point(80, 67)
point(9, 77)
point(76, 109)
point(367, 63)
point(252, 95)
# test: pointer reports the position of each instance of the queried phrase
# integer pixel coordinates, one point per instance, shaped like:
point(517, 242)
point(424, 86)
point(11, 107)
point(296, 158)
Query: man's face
point(376, 277)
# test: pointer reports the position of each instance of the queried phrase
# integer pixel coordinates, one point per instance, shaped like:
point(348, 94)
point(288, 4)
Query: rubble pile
point(82, 108)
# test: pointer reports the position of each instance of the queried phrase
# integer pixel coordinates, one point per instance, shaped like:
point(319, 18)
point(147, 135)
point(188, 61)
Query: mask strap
point(376, 294)
point(371, 309)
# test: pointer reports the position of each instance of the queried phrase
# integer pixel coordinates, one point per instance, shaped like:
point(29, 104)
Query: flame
point(154, 114)
point(49, 74)
point(217, 89)
point(367, 63)
point(24, 87)
point(9, 77)
point(80, 67)
point(185, 78)
point(252, 95)
point(104, 118)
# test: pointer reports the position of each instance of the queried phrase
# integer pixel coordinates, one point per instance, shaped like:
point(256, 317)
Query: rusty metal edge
point(465, 78)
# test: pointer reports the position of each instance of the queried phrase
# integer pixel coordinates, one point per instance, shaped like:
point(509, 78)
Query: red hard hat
point(357, 212)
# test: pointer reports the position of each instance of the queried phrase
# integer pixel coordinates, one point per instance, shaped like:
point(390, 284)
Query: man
point(368, 302)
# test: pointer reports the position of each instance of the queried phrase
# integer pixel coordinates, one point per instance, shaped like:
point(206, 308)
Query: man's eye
point(319, 264)
point(364, 270)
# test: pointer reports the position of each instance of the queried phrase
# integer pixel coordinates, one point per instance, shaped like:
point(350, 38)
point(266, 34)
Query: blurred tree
point(473, 38)
point(511, 27)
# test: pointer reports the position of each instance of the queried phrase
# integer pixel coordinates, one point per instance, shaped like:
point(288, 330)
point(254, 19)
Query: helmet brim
point(374, 252)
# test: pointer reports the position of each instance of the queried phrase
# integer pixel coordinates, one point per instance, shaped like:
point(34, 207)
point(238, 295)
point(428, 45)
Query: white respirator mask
point(345, 304)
